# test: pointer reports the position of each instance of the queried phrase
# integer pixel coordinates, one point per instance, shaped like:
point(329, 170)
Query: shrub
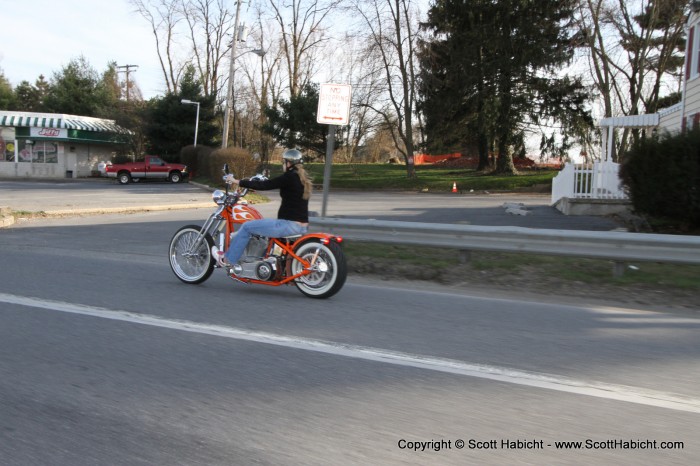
point(193, 156)
point(241, 163)
point(121, 159)
point(662, 176)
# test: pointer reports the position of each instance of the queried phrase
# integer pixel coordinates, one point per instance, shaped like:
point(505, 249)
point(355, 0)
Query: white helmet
point(293, 156)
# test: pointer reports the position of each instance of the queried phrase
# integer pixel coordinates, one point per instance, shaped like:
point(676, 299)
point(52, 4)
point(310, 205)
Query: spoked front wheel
point(327, 272)
point(190, 255)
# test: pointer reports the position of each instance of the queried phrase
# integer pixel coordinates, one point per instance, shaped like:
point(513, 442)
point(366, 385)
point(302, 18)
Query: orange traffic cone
point(454, 187)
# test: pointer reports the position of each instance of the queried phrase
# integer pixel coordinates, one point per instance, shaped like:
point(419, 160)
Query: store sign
point(48, 133)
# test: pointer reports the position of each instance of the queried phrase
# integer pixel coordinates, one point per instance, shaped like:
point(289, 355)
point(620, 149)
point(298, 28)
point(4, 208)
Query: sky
point(42, 36)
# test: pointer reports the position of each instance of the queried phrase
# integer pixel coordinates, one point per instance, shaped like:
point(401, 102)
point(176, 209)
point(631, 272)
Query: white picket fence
point(599, 180)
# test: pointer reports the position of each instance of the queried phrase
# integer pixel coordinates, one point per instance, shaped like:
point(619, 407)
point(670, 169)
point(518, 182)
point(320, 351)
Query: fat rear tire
point(330, 269)
point(190, 255)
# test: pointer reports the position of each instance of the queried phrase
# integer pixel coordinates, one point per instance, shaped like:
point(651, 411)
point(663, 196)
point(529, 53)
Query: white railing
point(599, 180)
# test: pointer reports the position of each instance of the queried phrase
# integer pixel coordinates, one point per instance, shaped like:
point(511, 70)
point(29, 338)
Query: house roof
point(61, 121)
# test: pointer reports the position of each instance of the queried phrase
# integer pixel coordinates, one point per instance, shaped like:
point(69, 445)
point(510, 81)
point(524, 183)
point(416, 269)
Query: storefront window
point(37, 151)
point(7, 144)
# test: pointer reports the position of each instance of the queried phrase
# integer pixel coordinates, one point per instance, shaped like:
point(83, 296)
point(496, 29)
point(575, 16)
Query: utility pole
point(229, 93)
point(127, 70)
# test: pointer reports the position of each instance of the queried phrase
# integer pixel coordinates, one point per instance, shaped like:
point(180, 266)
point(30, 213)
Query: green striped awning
point(60, 121)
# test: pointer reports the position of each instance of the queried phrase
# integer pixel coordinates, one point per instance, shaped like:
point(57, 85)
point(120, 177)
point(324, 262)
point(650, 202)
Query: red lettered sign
point(334, 104)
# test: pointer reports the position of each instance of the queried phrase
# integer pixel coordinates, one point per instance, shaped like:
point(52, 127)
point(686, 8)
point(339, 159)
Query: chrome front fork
point(216, 226)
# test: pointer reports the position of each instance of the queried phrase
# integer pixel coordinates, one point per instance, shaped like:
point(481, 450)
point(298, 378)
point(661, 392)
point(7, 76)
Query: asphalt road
point(108, 359)
point(102, 195)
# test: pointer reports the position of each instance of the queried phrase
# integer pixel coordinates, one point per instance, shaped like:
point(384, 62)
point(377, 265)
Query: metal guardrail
point(613, 245)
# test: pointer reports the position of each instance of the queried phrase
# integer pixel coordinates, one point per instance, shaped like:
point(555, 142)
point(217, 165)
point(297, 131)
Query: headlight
point(218, 196)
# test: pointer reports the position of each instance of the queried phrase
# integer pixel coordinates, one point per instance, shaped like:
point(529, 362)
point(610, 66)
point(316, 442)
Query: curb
point(6, 217)
point(117, 210)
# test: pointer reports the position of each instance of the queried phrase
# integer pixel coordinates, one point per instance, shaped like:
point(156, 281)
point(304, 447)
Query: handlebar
point(242, 191)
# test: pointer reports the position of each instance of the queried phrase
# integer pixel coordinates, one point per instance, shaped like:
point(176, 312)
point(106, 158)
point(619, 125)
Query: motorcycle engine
point(265, 270)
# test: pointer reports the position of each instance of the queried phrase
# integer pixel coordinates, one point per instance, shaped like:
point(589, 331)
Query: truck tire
point(124, 177)
point(175, 177)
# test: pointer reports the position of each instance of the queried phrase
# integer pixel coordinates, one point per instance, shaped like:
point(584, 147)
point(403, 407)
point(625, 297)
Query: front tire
point(329, 271)
point(175, 177)
point(190, 255)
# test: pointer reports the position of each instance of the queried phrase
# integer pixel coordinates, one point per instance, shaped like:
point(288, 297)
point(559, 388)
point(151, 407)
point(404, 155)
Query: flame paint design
point(242, 214)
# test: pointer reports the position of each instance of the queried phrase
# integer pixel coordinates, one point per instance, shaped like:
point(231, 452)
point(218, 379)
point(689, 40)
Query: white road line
point(501, 374)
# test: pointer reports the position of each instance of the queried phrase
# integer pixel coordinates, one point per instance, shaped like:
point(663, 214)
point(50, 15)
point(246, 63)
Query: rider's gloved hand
point(229, 179)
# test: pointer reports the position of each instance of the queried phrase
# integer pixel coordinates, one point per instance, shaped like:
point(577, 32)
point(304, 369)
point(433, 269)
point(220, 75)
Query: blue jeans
point(268, 227)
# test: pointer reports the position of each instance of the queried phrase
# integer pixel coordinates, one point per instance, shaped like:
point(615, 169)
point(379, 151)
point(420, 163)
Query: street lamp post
point(196, 124)
point(229, 100)
point(229, 89)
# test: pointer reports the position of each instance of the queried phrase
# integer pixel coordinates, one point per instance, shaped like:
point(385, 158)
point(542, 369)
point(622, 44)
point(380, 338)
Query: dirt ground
point(528, 283)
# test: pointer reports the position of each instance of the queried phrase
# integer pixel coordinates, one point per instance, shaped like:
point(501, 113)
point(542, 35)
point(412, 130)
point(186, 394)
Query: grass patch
point(444, 263)
point(254, 197)
point(28, 214)
point(428, 177)
point(431, 178)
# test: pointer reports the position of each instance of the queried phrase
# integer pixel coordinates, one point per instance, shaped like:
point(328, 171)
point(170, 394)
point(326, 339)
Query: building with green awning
point(47, 145)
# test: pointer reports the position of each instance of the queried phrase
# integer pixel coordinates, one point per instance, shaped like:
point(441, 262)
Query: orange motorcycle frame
point(241, 213)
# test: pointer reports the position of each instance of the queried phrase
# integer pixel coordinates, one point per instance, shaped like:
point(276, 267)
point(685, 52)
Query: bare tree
point(190, 31)
point(163, 16)
point(210, 25)
point(393, 40)
point(261, 87)
point(634, 53)
point(352, 65)
point(302, 30)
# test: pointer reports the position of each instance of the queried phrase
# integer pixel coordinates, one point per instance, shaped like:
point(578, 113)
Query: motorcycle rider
point(292, 217)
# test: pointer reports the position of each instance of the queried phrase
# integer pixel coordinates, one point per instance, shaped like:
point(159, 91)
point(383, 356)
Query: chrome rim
point(190, 260)
point(323, 272)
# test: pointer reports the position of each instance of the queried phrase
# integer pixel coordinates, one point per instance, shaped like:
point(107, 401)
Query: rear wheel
point(328, 272)
point(190, 255)
point(124, 177)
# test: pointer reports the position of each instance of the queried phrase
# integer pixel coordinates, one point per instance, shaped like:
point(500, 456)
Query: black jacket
point(293, 206)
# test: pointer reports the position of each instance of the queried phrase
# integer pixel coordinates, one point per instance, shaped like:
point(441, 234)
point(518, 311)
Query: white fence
point(599, 180)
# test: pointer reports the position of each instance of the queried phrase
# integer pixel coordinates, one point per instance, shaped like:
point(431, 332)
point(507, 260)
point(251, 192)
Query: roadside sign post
point(333, 110)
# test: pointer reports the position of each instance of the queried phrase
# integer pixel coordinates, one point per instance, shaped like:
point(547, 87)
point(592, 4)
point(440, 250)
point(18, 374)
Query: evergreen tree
point(77, 90)
point(293, 123)
point(453, 81)
point(498, 64)
point(108, 93)
point(7, 96)
point(42, 86)
point(662, 27)
point(28, 97)
point(170, 124)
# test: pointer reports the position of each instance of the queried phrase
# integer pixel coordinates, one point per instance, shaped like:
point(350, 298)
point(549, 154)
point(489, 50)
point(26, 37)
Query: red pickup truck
point(152, 167)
